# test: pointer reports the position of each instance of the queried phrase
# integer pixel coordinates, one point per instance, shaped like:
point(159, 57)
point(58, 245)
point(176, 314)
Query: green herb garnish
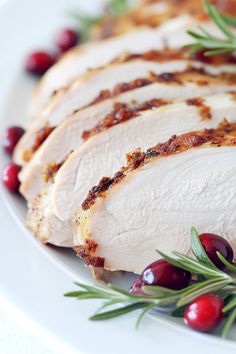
point(211, 44)
point(120, 301)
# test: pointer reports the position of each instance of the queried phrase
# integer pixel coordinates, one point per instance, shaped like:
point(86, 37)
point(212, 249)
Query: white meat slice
point(155, 206)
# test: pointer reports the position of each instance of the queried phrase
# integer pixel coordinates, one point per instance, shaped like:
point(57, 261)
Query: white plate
point(33, 277)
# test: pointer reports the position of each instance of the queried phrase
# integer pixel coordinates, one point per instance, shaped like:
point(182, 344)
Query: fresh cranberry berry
point(10, 177)
point(213, 243)
point(39, 62)
point(136, 287)
point(66, 39)
point(164, 274)
point(204, 313)
point(11, 138)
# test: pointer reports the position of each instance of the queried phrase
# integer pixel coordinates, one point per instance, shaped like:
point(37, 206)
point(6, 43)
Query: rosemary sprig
point(213, 280)
point(212, 44)
point(228, 323)
point(231, 304)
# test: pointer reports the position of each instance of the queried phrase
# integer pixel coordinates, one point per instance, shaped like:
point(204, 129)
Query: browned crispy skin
point(204, 110)
point(86, 253)
point(120, 114)
point(167, 54)
point(40, 136)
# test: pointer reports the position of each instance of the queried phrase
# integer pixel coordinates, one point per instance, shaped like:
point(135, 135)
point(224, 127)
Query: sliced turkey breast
point(102, 154)
point(153, 202)
point(129, 73)
point(168, 86)
point(76, 62)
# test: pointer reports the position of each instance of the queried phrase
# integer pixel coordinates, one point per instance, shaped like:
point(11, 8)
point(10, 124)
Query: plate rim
point(7, 210)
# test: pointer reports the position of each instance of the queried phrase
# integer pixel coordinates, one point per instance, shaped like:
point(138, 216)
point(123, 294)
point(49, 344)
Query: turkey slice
point(153, 202)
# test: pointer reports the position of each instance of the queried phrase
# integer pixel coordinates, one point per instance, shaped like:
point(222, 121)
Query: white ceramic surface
point(33, 277)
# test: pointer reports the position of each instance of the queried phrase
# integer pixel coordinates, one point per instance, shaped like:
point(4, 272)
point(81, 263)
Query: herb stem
point(211, 44)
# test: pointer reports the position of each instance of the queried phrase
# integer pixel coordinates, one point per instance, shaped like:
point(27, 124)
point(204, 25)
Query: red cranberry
point(164, 274)
point(212, 243)
point(204, 313)
point(38, 63)
point(66, 39)
point(136, 287)
point(10, 177)
point(11, 138)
